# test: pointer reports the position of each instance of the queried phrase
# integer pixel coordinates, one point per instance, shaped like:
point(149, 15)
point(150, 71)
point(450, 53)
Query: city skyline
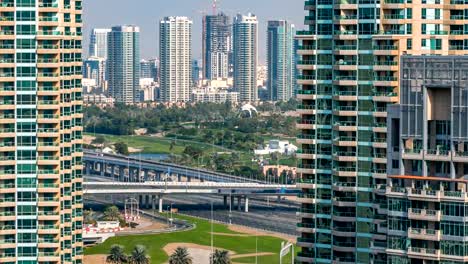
point(125, 12)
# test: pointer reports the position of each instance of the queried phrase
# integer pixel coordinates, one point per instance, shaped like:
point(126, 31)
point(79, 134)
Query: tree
point(121, 148)
point(180, 256)
point(116, 255)
point(220, 257)
point(139, 256)
point(194, 152)
point(99, 140)
point(171, 147)
point(112, 213)
point(88, 216)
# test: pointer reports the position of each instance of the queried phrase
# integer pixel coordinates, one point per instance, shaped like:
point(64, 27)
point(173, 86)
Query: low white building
point(214, 95)
point(90, 99)
point(277, 146)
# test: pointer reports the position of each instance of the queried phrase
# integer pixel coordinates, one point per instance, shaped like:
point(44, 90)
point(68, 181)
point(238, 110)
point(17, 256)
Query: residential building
point(175, 54)
point(214, 95)
point(95, 68)
point(123, 64)
point(216, 46)
point(427, 160)
point(245, 44)
point(281, 60)
point(196, 70)
point(98, 42)
point(41, 197)
point(149, 69)
point(349, 74)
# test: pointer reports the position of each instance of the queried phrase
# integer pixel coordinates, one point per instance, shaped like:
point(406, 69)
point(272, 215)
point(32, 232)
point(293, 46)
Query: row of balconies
point(427, 195)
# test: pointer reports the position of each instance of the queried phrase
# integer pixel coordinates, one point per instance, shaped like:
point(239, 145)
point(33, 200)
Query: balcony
point(424, 234)
point(424, 214)
point(424, 195)
point(424, 253)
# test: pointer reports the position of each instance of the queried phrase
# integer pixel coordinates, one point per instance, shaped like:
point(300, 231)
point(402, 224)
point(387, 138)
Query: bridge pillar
point(179, 178)
point(121, 173)
point(239, 203)
point(140, 201)
point(147, 202)
point(88, 168)
point(246, 206)
point(145, 175)
point(225, 201)
point(153, 202)
point(160, 198)
point(189, 179)
point(102, 167)
point(231, 204)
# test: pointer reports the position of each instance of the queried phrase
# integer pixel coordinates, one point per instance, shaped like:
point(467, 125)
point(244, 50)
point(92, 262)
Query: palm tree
point(139, 256)
point(180, 256)
point(220, 257)
point(116, 255)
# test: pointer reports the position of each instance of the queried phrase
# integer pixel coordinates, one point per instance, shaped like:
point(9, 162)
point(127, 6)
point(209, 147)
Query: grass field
point(201, 236)
point(156, 145)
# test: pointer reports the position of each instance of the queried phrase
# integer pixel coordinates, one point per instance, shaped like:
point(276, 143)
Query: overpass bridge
point(150, 192)
point(131, 169)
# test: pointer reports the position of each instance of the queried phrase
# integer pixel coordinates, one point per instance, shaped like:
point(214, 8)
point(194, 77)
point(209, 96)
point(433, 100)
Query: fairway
point(223, 238)
point(151, 145)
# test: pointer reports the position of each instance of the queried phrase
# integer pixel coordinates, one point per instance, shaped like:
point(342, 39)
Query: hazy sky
point(147, 13)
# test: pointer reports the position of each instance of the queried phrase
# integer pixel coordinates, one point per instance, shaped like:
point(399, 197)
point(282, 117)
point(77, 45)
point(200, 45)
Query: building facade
point(149, 69)
point(123, 63)
point(245, 57)
point(98, 42)
point(427, 162)
point(175, 54)
point(214, 95)
point(349, 74)
point(281, 80)
point(216, 46)
point(41, 198)
point(95, 68)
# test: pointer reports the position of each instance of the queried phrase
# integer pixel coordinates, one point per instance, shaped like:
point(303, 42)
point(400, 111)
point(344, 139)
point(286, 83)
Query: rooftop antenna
point(215, 6)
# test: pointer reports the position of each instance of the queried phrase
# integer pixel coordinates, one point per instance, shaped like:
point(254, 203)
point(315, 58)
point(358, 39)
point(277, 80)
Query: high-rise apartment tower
point(123, 63)
point(41, 198)
point(245, 45)
point(281, 60)
point(216, 46)
point(175, 54)
point(350, 71)
point(98, 42)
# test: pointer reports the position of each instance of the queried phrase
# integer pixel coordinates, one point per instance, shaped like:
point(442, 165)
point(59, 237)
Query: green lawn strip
point(157, 145)
point(200, 235)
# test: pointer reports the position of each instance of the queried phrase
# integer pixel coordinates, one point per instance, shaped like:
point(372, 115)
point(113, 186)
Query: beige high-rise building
point(41, 132)
point(349, 74)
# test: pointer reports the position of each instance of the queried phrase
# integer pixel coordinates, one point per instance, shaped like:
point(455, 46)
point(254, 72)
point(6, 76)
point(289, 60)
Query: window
point(26, 16)
point(409, 44)
point(25, 43)
point(395, 164)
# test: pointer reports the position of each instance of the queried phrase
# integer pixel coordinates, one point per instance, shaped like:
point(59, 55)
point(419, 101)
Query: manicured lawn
point(155, 144)
point(200, 235)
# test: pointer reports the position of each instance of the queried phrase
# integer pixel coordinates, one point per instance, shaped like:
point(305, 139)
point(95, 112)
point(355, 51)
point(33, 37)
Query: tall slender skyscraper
point(280, 60)
point(245, 42)
point(350, 71)
point(123, 64)
point(175, 54)
point(216, 46)
point(41, 198)
point(98, 42)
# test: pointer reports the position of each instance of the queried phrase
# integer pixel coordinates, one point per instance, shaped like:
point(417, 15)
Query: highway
point(277, 217)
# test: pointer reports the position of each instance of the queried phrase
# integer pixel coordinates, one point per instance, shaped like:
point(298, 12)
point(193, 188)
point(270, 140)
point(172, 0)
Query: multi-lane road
point(263, 214)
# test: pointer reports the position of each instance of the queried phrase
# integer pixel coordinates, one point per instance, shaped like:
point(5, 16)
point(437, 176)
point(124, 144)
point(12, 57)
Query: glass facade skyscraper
point(217, 31)
point(350, 72)
point(123, 63)
point(41, 199)
point(281, 60)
